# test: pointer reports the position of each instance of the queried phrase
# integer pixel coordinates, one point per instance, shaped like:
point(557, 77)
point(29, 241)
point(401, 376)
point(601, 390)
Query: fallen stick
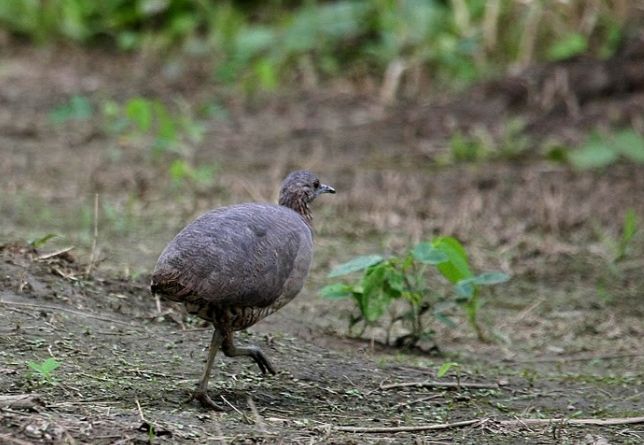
point(434, 384)
point(46, 256)
point(406, 429)
point(508, 423)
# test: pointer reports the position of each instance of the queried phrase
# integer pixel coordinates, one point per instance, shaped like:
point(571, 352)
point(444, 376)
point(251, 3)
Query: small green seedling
point(629, 229)
point(78, 108)
point(446, 367)
point(405, 279)
point(40, 242)
point(44, 369)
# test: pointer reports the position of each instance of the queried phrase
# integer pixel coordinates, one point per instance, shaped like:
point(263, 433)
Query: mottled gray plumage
point(235, 265)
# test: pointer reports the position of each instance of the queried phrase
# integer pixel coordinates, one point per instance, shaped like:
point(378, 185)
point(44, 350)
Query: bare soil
point(565, 333)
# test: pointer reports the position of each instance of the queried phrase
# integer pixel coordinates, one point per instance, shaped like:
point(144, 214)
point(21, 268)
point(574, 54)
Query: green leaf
point(395, 281)
point(456, 268)
point(336, 291)
point(179, 170)
point(630, 144)
point(425, 253)
point(267, 74)
point(594, 154)
point(44, 368)
point(488, 278)
point(629, 229)
point(630, 225)
point(444, 319)
point(139, 111)
point(568, 46)
point(374, 298)
point(445, 367)
point(358, 263)
point(466, 289)
point(78, 108)
point(39, 242)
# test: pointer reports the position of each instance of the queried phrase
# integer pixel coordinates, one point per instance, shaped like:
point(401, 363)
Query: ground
point(564, 335)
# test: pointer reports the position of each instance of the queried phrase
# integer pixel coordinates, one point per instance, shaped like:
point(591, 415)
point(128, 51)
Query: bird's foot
point(262, 361)
point(205, 401)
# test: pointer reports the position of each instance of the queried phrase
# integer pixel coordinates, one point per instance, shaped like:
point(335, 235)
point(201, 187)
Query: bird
point(235, 265)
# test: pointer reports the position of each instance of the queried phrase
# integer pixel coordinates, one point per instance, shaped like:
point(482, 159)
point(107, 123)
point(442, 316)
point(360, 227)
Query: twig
point(235, 408)
point(433, 384)
point(422, 399)
point(407, 429)
point(55, 253)
point(63, 309)
point(92, 257)
point(141, 416)
point(509, 423)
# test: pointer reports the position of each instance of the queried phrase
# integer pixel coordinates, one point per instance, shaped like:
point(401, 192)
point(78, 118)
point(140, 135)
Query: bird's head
point(299, 189)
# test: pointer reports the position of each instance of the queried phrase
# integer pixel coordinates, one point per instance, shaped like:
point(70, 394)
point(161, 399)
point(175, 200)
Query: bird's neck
point(298, 205)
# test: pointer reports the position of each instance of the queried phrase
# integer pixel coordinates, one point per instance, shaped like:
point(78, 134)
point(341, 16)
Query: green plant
point(44, 369)
point(142, 118)
point(262, 45)
point(174, 134)
point(603, 150)
point(40, 242)
point(77, 108)
point(446, 367)
point(629, 229)
point(182, 171)
point(405, 279)
point(481, 145)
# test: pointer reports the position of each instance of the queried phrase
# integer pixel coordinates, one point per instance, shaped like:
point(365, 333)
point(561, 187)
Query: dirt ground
point(565, 333)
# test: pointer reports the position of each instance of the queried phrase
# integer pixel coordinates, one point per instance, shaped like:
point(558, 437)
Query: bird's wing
point(241, 255)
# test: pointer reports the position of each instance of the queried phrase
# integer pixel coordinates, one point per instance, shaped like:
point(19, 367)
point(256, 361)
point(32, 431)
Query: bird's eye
point(316, 183)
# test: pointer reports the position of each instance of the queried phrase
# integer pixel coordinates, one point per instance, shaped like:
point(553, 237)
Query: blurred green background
point(265, 44)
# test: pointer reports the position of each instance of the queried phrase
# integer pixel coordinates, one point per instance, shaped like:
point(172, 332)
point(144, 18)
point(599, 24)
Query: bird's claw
point(205, 401)
point(265, 366)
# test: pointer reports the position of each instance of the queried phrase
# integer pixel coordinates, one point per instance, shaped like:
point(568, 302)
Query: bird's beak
point(325, 189)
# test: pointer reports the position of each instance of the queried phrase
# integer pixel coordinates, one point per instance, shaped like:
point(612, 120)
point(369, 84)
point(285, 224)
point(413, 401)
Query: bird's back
point(246, 255)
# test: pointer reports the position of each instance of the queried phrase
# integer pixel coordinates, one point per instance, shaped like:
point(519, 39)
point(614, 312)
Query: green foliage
point(150, 121)
point(445, 368)
point(40, 242)
point(262, 45)
point(629, 229)
point(568, 46)
point(358, 263)
point(143, 118)
point(603, 150)
point(405, 279)
point(481, 146)
point(44, 369)
point(78, 108)
point(182, 171)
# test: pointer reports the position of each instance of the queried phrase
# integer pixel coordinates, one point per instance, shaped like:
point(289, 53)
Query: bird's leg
point(252, 351)
point(201, 393)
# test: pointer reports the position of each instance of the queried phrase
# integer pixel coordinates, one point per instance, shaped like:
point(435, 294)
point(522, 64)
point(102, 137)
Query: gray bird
point(235, 265)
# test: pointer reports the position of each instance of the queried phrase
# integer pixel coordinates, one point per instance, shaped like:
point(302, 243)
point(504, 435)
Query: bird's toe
point(205, 401)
